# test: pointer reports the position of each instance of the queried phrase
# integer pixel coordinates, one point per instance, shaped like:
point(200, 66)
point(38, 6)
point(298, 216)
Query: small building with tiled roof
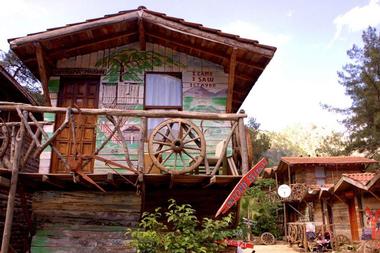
point(314, 182)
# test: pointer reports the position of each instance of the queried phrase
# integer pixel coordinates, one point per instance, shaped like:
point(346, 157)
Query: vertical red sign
point(241, 187)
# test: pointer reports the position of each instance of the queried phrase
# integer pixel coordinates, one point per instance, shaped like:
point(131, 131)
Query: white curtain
point(163, 90)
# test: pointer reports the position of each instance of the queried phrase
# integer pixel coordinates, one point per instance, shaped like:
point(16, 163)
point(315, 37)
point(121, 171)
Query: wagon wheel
point(267, 238)
point(4, 139)
point(340, 240)
point(371, 246)
point(179, 140)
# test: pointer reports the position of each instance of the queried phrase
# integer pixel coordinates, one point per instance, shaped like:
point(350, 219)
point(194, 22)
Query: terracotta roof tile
point(362, 178)
point(327, 160)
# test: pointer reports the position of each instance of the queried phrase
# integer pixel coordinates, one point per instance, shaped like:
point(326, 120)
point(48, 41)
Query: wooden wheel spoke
point(162, 151)
point(183, 162)
point(170, 131)
point(175, 161)
point(162, 143)
point(193, 139)
point(187, 133)
point(192, 148)
point(167, 158)
point(192, 157)
point(165, 137)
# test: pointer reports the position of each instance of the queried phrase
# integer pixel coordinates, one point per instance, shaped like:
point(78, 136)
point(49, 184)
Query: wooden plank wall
point(341, 219)
point(68, 222)
point(20, 229)
point(204, 90)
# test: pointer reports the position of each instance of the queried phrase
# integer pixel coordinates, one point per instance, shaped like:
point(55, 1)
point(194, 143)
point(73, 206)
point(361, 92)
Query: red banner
point(241, 244)
point(242, 186)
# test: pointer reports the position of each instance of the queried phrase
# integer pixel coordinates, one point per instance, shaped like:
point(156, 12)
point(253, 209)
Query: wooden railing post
point(141, 145)
point(15, 160)
point(243, 145)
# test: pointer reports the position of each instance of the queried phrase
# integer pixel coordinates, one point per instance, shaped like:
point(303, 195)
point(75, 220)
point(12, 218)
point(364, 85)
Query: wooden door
point(82, 92)
point(353, 219)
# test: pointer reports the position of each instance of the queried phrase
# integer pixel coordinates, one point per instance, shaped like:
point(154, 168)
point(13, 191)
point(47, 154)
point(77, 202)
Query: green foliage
point(261, 205)
point(130, 64)
point(181, 234)
point(361, 80)
point(17, 69)
point(261, 142)
point(334, 144)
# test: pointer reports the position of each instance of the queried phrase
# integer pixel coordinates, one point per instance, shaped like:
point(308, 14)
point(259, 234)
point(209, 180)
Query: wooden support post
point(42, 69)
point(289, 177)
point(285, 222)
point(243, 146)
point(13, 187)
point(141, 168)
point(231, 80)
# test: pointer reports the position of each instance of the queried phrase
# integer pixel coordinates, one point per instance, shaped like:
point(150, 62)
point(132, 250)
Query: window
point(320, 176)
point(162, 91)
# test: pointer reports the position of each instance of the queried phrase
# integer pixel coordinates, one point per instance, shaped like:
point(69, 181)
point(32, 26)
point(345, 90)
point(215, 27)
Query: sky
point(311, 37)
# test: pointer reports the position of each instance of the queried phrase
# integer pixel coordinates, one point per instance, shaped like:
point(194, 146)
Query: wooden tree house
point(136, 101)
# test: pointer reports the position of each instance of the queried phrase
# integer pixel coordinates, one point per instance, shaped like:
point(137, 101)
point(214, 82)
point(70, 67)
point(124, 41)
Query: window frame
point(175, 74)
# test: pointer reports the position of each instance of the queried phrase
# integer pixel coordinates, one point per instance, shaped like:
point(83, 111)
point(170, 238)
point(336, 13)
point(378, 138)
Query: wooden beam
point(194, 32)
point(142, 41)
point(18, 142)
point(53, 182)
point(4, 182)
point(231, 80)
point(199, 50)
point(7, 106)
point(111, 180)
point(42, 69)
point(67, 30)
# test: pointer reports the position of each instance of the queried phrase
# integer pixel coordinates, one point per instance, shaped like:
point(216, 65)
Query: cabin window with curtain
point(162, 91)
point(320, 176)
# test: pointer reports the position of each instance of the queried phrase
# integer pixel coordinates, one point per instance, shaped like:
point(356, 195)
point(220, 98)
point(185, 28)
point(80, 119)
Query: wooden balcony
point(103, 144)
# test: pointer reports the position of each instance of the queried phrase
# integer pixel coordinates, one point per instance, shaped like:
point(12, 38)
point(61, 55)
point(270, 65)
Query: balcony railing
point(180, 144)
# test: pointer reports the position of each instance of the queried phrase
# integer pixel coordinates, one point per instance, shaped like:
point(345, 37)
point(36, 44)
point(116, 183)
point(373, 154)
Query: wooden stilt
point(243, 146)
point(12, 191)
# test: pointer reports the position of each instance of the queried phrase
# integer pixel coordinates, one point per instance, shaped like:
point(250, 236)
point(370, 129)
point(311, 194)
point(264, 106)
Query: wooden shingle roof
point(130, 26)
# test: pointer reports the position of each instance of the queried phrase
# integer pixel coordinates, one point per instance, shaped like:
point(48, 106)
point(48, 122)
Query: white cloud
point(251, 31)
point(290, 13)
point(357, 19)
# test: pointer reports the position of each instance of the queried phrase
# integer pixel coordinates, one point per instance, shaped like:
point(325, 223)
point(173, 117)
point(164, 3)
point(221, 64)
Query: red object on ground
point(241, 244)
point(242, 186)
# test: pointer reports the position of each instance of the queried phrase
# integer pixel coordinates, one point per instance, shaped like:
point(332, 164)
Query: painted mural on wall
point(122, 86)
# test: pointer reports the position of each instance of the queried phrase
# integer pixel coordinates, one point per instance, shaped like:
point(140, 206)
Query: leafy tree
point(261, 205)
point(361, 80)
point(17, 69)
point(181, 234)
point(334, 144)
point(260, 140)
point(130, 63)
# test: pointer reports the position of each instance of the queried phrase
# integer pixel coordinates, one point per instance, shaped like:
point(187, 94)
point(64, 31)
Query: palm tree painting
point(130, 64)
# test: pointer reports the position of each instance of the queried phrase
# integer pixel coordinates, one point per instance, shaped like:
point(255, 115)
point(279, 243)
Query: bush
point(182, 232)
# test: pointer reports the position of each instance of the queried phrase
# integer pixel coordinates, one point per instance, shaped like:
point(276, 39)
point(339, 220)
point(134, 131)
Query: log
point(243, 146)
point(42, 70)
point(4, 182)
point(13, 187)
point(128, 113)
point(141, 145)
point(231, 79)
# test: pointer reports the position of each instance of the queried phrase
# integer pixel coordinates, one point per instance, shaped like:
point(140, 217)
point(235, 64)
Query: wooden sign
point(242, 186)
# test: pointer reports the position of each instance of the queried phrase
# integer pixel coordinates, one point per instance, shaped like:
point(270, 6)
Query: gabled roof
point(143, 25)
point(12, 91)
point(309, 162)
point(364, 181)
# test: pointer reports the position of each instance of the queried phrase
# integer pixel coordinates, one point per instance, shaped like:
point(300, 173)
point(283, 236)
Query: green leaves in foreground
point(181, 234)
